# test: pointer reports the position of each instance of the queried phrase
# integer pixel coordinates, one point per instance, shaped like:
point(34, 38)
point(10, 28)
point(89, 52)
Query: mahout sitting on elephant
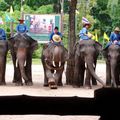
point(53, 60)
point(3, 54)
point(112, 58)
point(85, 55)
point(21, 49)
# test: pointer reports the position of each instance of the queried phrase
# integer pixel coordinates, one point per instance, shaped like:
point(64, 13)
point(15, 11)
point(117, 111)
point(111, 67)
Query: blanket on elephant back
point(112, 43)
point(23, 36)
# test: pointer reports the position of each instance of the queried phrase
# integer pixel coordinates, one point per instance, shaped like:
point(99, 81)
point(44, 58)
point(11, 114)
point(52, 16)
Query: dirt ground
point(38, 90)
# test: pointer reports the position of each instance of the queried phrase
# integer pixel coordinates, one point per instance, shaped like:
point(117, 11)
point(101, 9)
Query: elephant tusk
point(16, 63)
point(54, 73)
point(93, 65)
point(54, 63)
point(85, 65)
point(59, 63)
point(25, 63)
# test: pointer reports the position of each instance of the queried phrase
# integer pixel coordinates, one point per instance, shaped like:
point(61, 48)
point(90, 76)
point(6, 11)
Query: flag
point(96, 37)
point(7, 17)
point(105, 37)
point(1, 21)
point(93, 37)
point(11, 10)
point(77, 12)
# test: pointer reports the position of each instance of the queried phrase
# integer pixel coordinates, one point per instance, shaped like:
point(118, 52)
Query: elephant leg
point(94, 82)
point(81, 75)
point(45, 76)
point(2, 70)
point(45, 79)
point(117, 77)
point(28, 71)
point(17, 74)
point(87, 79)
point(60, 79)
point(108, 74)
point(17, 77)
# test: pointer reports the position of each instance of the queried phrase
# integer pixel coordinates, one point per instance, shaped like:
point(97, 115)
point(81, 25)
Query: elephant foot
point(87, 87)
point(18, 84)
point(28, 83)
point(45, 85)
point(14, 81)
point(2, 83)
point(60, 84)
point(94, 83)
point(52, 84)
point(76, 86)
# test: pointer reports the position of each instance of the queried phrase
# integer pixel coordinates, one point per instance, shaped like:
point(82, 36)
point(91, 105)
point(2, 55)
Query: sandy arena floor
point(38, 90)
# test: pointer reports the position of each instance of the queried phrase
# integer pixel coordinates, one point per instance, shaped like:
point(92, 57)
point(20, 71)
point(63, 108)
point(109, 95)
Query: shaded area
point(105, 104)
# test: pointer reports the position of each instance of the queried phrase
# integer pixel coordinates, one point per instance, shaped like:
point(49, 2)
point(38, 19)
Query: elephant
point(85, 57)
point(112, 58)
point(22, 48)
point(53, 60)
point(3, 54)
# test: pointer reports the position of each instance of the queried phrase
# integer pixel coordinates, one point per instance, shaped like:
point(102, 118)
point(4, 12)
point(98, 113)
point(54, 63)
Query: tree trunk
point(72, 41)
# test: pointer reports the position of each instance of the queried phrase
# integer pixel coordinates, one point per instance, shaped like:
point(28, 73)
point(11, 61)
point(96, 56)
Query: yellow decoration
point(106, 37)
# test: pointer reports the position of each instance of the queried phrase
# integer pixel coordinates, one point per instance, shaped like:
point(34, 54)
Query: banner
point(105, 37)
point(41, 26)
point(11, 10)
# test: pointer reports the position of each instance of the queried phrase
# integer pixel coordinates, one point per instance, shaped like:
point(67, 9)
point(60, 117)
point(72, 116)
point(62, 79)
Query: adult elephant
point(22, 48)
point(3, 54)
point(86, 53)
point(112, 58)
point(53, 60)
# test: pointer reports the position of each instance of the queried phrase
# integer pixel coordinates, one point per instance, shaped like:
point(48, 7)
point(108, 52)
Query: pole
point(22, 14)
point(62, 14)
point(11, 29)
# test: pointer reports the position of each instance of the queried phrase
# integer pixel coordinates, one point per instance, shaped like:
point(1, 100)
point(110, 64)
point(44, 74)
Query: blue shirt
point(21, 28)
point(114, 37)
point(58, 33)
point(83, 33)
point(2, 34)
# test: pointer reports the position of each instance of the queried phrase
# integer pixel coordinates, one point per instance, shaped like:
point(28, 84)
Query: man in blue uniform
point(21, 27)
point(2, 34)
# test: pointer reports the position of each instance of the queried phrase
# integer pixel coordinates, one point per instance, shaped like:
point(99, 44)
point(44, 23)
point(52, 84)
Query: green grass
point(34, 61)
point(101, 61)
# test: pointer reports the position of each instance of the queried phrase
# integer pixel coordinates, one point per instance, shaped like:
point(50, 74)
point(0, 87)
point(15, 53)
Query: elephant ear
point(66, 56)
point(80, 48)
point(11, 42)
point(98, 46)
point(34, 45)
point(105, 52)
point(46, 53)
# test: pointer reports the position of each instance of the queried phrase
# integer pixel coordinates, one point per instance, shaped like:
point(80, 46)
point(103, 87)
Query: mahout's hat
point(56, 38)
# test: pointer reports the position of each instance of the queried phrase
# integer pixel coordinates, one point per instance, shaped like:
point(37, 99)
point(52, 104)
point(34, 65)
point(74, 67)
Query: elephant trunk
point(21, 57)
point(57, 57)
point(113, 66)
point(92, 71)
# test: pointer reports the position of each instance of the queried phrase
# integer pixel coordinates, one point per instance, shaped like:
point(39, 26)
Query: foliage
point(3, 6)
point(37, 53)
point(106, 14)
point(45, 9)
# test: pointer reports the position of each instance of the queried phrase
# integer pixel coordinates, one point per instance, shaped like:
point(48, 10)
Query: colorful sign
point(41, 26)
